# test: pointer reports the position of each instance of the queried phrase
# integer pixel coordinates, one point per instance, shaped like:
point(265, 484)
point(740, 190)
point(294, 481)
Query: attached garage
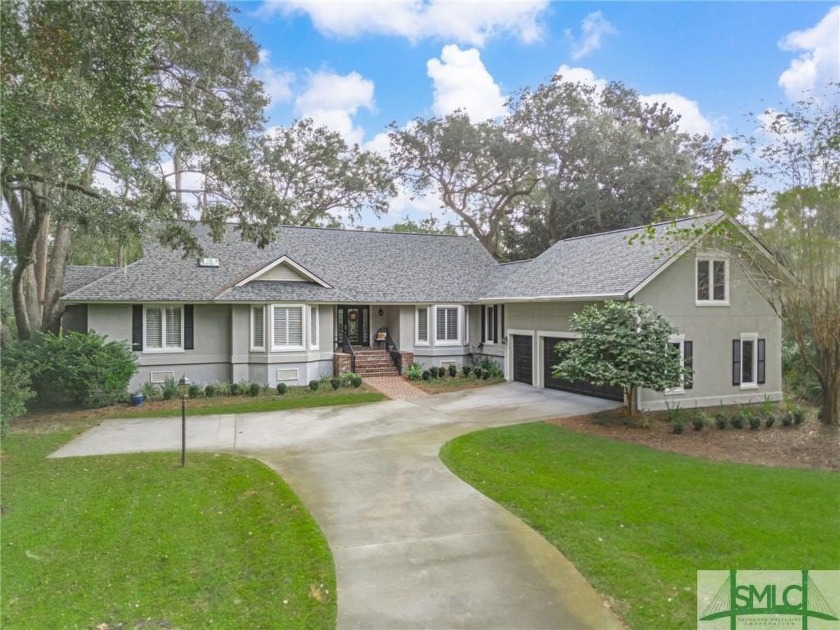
point(523, 359)
point(552, 358)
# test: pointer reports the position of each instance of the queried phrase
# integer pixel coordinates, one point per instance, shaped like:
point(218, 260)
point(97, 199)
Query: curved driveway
point(414, 546)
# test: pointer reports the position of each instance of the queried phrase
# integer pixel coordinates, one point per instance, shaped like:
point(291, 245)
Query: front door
point(354, 321)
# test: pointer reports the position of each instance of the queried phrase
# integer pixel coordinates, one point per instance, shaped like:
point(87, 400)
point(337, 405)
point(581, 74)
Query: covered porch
point(368, 340)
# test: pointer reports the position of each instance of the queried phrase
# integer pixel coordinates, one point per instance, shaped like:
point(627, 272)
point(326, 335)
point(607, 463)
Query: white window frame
point(164, 348)
point(466, 325)
point(459, 313)
point(751, 337)
point(289, 348)
point(254, 346)
point(314, 332)
point(489, 324)
point(678, 339)
point(417, 340)
point(712, 259)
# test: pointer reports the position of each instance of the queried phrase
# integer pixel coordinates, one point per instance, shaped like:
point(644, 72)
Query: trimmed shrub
point(254, 389)
point(441, 372)
point(281, 388)
point(210, 391)
point(798, 414)
point(313, 385)
point(485, 375)
point(755, 422)
point(335, 382)
point(14, 391)
point(427, 375)
point(356, 381)
point(698, 420)
point(678, 426)
point(196, 390)
point(433, 372)
point(737, 420)
point(453, 371)
point(478, 372)
point(465, 371)
point(787, 418)
point(769, 420)
point(721, 420)
point(347, 378)
point(673, 412)
point(235, 389)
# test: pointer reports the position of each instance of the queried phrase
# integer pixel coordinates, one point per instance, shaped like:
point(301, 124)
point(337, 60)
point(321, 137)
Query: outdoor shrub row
point(485, 370)
point(738, 417)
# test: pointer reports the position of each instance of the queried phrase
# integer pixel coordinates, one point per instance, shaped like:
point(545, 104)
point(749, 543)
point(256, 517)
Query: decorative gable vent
point(208, 262)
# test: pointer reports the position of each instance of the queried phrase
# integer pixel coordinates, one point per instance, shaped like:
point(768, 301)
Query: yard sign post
point(184, 383)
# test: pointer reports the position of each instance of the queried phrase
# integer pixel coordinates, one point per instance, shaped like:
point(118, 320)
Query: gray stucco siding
point(712, 330)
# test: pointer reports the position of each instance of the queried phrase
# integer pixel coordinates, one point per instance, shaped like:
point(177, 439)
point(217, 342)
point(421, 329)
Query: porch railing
point(394, 351)
point(347, 348)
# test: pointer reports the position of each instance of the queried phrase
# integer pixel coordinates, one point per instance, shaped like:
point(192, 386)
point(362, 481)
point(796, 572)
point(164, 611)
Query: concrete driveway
point(414, 546)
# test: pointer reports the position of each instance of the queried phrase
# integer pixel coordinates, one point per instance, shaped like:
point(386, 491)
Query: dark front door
point(523, 355)
point(354, 321)
point(552, 358)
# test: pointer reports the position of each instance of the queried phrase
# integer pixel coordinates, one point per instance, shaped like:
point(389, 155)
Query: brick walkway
point(395, 387)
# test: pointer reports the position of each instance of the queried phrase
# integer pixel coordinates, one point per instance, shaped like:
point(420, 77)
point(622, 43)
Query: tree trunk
point(42, 248)
point(629, 397)
point(830, 409)
point(53, 309)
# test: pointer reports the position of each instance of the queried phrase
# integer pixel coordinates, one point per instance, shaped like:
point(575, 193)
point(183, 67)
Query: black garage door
point(523, 355)
point(587, 389)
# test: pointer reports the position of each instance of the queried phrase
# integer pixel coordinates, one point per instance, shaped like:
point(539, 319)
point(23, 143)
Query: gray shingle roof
point(363, 267)
point(596, 265)
point(78, 276)
point(384, 267)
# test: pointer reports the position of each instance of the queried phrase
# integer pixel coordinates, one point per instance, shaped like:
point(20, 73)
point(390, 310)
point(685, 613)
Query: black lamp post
point(184, 384)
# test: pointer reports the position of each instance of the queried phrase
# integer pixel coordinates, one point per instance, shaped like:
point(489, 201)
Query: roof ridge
point(638, 227)
point(232, 224)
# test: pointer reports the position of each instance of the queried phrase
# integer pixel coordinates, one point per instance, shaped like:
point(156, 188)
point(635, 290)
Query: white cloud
point(278, 83)
point(462, 21)
point(818, 63)
point(593, 28)
point(691, 121)
point(333, 99)
point(461, 81)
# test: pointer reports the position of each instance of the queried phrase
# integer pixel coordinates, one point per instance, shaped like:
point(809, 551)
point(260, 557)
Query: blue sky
point(358, 66)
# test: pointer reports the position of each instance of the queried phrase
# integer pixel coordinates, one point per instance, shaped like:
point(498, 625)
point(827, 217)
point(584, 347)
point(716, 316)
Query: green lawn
point(223, 543)
point(639, 523)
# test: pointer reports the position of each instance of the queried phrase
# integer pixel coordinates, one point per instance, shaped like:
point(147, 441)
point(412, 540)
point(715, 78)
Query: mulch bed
point(809, 445)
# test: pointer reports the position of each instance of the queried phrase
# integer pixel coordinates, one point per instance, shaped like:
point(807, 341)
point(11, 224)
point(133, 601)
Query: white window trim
point(417, 340)
point(712, 258)
point(314, 310)
point(466, 325)
point(163, 349)
point(488, 329)
point(753, 337)
point(459, 314)
point(680, 339)
point(254, 347)
point(303, 335)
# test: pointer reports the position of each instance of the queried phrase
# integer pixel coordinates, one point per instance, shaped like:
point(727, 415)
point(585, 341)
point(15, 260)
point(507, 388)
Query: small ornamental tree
point(622, 344)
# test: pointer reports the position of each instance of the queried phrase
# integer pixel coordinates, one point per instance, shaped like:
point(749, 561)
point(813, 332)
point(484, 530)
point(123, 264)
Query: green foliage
point(441, 371)
point(235, 389)
point(335, 382)
point(254, 389)
point(313, 385)
point(787, 418)
point(282, 388)
point(356, 381)
point(433, 372)
point(624, 344)
point(698, 420)
point(195, 390)
point(755, 421)
point(223, 388)
point(478, 372)
point(721, 420)
point(465, 370)
point(15, 390)
point(798, 414)
point(769, 420)
point(673, 412)
point(427, 375)
point(210, 391)
point(349, 378)
point(169, 389)
point(414, 372)
point(86, 368)
point(679, 427)
point(453, 370)
point(738, 419)
point(490, 368)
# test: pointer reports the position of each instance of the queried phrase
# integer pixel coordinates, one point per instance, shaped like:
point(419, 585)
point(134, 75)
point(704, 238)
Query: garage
point(523, 359)
point(552, 358)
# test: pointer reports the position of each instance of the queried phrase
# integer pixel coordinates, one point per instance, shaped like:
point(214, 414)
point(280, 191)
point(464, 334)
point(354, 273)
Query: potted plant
point(137, 398)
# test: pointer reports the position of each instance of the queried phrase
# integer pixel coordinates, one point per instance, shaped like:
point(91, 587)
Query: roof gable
point(284, 269)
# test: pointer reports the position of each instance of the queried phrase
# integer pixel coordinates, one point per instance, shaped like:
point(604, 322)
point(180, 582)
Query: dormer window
point(712, 281)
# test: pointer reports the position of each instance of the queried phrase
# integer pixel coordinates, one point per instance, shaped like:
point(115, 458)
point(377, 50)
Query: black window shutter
point(495, 323)
point(502, 327)
point(189, 336)
point(137, 327)
point(736, 361)
point(483, 324)
point(761, 366)
point(688, 362)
